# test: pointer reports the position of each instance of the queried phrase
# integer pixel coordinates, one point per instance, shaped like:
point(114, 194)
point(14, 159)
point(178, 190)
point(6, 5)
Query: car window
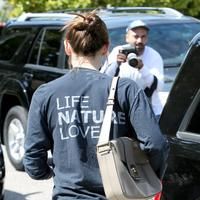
point(11, 42)
point(117, 36)
point(172, 40)
point(46, 50)
point(194, 125)
point(190, 126)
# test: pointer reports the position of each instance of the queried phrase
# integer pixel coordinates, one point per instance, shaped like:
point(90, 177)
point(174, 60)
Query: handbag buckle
point(110, 102)
point(104, 148)
point(134, 172)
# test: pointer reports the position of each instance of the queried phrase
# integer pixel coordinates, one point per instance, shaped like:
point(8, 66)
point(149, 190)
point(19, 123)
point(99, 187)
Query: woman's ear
point(68, 50)
point(105, 49)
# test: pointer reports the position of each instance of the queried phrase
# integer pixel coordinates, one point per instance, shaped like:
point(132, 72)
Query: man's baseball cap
point(137, 24)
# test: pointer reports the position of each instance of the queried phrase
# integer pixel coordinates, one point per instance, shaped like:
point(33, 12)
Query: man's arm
point(111, 70)
point(152, 72)
point(111, 65)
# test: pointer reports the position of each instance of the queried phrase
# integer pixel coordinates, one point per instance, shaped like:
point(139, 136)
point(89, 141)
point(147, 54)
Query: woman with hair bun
point(66, 115)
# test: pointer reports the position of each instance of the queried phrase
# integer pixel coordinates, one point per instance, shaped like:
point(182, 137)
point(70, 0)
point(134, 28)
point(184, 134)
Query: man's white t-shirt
point(153, 65)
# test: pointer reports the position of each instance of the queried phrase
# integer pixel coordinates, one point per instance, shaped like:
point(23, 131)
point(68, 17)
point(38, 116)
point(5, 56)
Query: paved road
point(19, 186)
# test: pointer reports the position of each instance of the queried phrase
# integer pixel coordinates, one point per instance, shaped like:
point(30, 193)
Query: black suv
point(180, 121)
point(31, 53)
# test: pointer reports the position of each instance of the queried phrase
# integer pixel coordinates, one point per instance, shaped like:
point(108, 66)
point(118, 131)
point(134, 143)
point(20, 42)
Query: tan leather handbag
point(125, 169)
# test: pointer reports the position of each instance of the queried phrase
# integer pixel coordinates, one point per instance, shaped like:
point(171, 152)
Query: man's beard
point(140, 48)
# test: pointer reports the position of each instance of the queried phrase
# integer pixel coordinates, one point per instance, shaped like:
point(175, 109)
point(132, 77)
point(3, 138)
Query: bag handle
point(105, 128)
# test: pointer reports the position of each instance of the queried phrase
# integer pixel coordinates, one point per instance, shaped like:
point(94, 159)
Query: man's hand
point(121, 58)
point(140, 64)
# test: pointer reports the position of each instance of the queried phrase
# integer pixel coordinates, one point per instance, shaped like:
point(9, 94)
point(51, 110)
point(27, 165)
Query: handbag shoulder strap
point(105, 128)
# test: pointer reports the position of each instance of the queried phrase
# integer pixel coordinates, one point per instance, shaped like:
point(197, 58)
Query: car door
point(180, 121)
point(47, 58)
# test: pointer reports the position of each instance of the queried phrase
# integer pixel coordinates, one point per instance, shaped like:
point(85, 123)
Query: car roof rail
point(156, 10)
point(67, 13)
point(110, 9)
point(56, 14)
point(46, 15)
point(76, 10)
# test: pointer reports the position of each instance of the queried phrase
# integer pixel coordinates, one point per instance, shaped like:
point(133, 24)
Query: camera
point(132, 59)
point(131, 54)
point(127, 48)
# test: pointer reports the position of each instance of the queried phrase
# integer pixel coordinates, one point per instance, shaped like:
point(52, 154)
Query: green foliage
point(189, 7)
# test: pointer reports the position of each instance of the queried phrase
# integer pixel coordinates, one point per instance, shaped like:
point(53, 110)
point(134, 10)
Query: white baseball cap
point(137, 24)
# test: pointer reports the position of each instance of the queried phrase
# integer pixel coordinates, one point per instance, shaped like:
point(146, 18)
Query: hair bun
point(81, 26)
point(91, 22)
point(83, 30)
point(88, 24)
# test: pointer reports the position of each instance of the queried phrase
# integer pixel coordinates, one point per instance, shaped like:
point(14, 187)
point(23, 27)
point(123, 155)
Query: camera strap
point(117, 69)
point(149, 90)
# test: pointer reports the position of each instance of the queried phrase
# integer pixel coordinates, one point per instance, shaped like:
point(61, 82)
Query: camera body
point(127, 48)
point(131, 54)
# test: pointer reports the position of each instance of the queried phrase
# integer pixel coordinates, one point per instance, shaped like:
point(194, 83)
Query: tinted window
point(190, 125)
point(117, 37)
point(46, 50)
point(11, 42)
point(192, 117)
point(194, 124)
point(170, 40)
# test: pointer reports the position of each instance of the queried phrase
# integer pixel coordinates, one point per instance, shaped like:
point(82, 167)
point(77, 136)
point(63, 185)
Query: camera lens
point(132, 59)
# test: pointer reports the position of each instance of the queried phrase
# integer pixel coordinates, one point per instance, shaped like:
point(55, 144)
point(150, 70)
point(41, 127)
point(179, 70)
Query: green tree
point(189, 7)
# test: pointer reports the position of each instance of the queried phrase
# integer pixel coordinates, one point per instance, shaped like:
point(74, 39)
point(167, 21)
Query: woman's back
point(66, 114)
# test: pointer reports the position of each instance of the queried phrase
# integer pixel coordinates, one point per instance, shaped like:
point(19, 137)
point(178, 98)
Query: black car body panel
point(180, 121)
point(188, 82)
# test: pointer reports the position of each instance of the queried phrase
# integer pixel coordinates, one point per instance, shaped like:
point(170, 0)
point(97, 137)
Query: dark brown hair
point(87, 33)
